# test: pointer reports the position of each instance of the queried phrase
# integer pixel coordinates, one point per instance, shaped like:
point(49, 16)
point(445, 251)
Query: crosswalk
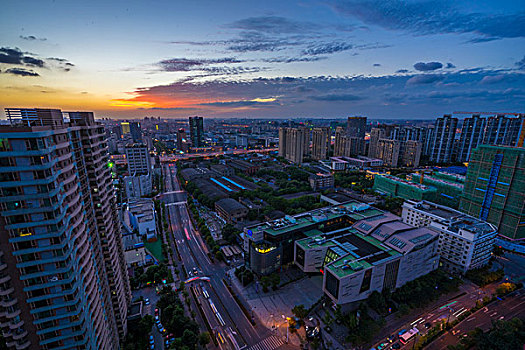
point(269, 343)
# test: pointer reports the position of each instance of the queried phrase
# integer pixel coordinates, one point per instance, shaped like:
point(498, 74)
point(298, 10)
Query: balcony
point(24, 345)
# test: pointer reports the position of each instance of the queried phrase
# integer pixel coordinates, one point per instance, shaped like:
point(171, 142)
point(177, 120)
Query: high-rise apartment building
point(389, 151)
point(380, 132)
point(472, 132)
point(443, 139)
point(356, 127)
point(495, 188)
point(410, 153)
point(197, 131)
point(293, 143)
point(64, 278)
point(504, 130)
point(138, 158)
point(320, 142)
point(347, 146)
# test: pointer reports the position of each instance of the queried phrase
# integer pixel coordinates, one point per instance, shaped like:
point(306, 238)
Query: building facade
point(196, 131)
point(504, 130)
point(472, 133)
point(139, 160)
point(356, 127)
point(495, 189)
point(443, 139)
point(465, 242)
point(65, 284)
point(320, 142)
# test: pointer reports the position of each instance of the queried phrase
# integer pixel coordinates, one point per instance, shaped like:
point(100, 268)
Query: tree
point(300, 311)
point(189, 338)
point(204, 338)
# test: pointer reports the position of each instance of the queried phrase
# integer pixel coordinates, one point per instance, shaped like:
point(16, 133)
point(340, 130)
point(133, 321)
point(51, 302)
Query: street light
point(287, 327)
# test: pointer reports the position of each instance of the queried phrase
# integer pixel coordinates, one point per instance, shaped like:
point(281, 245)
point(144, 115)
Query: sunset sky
point(381, 59)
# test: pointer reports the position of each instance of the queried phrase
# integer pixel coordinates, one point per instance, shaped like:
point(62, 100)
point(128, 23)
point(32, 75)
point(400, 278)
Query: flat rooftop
point(355, 210)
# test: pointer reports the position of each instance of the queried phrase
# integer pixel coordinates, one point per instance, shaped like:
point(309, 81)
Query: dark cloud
point(327, 48)
point(272, 24)
point(433, 17)
point(32, 61)
point(241, 103)
point(337, 97)
point(402, 71)
point(32, 38)
point(377, 65)
point(189, 64)
point(294, 59)
point(398, 95)
point(430, 66)
point(493, 79)
point(22, 72)
point(450, 65)
point(425, 79)
point(479, 40)
point(11, 56)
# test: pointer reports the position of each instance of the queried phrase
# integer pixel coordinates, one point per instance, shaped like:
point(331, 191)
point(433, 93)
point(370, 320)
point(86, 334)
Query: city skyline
point(388, 59)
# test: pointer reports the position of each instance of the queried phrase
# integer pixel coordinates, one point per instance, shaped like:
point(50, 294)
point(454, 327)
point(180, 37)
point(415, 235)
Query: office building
point(375, 254)
point(64, 278)
point(182, 144)
point(503, 130)
point(197, 131)
point(495, 188)
point(356, 127)
point(139, 160)
point(320, 142)
point(465, 242)
point(443, 139)
point(135, 131)
point(138, 186)
point(472, 133)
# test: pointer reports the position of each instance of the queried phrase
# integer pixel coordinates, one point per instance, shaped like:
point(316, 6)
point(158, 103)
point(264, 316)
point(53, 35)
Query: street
point(225, 316)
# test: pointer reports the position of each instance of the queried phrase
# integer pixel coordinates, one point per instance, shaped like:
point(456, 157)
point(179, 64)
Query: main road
point(194, 257)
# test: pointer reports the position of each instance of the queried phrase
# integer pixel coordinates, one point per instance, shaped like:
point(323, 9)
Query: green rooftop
point(313, 219)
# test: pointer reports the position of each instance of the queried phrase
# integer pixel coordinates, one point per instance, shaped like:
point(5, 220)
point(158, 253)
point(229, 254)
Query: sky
point(264, 59)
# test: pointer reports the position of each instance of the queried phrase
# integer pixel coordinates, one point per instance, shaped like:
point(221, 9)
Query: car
point(159, 326)
point(146, 301)
point(157, 318)
point(401, 332)
point(396, 346)
point(152, 347)
point(428, 325)
point(156, 311)
point(151, 340)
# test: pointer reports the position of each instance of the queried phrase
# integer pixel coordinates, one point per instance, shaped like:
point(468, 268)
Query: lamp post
point(287, 327)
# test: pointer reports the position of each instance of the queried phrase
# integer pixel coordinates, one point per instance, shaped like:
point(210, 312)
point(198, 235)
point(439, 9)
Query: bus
point(407, 336)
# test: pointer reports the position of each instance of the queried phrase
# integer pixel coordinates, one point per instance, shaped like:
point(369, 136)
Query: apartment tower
point(64, 283)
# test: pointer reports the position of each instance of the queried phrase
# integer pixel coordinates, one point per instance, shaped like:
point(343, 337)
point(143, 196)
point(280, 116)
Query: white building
point(140, 216)
point(465, 242)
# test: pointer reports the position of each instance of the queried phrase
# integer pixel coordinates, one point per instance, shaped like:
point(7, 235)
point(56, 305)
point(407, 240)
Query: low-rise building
point(321, 181)
point(140, 216)
point(230, 210)
point(397, 187)
point(244, 166)
point(222, 170)
point(465, 242)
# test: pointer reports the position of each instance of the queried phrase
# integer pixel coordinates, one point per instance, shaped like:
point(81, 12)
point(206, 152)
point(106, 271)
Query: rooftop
point(354, 210)
point(407, 183)
point(229, 204)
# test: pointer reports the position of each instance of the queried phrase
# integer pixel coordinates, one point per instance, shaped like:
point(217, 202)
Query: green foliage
point(175, 321)
point(230, 233)
point(483, 275)
point(361, 327)
point(300, 311)
point(271, 280)
point(244, 275)
point(423, 290)
point(391, 204)
point(204, 338)
point(138, 333)
point(506, 288)
point(504, 335)
point(354, 179)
